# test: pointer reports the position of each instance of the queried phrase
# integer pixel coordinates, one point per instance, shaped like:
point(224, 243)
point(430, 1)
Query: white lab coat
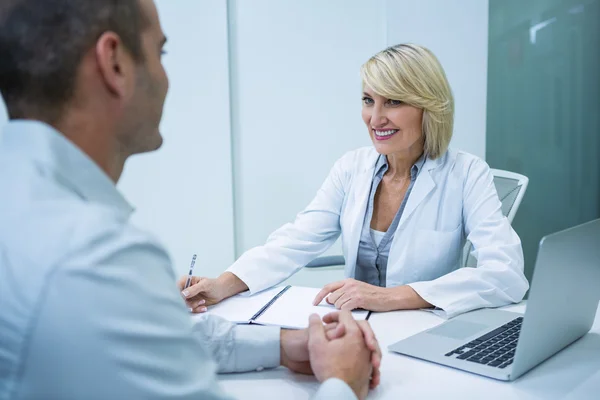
point(453, 199)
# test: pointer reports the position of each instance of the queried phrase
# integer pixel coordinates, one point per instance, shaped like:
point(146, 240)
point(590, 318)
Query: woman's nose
point(378, 118)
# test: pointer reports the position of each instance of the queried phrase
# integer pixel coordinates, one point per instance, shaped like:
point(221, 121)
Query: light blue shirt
point(88, 303)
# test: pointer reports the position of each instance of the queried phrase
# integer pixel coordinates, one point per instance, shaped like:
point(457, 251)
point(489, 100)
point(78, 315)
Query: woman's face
point(394, 127)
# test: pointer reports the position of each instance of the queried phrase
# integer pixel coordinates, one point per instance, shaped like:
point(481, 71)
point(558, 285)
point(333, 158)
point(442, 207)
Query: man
point(89, 304)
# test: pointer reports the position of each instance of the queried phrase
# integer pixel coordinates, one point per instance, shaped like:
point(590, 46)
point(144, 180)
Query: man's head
point(76, 63)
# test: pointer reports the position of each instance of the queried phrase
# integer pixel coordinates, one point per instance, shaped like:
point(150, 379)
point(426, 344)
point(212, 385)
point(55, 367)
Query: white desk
point(573, 373)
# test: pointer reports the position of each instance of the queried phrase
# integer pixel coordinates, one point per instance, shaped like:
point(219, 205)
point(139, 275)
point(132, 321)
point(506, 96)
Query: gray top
point(371, 263)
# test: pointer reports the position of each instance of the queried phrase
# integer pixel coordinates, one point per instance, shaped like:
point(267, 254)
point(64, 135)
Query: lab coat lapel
point(422, 187)
point(359, 209)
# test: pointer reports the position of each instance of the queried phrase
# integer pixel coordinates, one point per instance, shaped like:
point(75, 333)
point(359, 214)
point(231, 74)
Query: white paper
point(241, 308)
point(293, 308)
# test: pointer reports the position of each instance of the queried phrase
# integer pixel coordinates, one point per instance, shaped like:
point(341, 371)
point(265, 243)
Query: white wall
point(457, 33)
point(296, 101)
point(183, 192)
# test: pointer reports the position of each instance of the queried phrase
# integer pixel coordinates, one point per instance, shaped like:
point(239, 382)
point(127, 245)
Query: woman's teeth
point(386, 133)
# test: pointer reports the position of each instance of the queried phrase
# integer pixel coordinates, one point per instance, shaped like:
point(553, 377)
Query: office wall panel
point(295, 101)
point(183, 191)
point(457, 32)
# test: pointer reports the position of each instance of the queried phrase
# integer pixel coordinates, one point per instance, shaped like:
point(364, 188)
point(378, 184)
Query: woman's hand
point(201, 293)
point(205, 292)
point(350, 294)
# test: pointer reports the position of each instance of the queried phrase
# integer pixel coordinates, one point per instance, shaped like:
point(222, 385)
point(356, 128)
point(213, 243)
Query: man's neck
point(95, 138)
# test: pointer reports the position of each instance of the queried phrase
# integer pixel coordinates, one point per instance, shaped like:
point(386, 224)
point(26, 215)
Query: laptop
point(504, 345)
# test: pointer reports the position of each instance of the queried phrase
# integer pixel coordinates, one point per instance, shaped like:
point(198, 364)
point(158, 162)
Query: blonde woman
point(404, 208)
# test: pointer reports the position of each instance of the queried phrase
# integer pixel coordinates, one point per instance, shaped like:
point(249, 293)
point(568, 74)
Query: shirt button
point(260, 369)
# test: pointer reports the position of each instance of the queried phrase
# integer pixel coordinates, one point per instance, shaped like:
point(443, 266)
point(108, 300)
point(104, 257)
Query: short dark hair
point(42, 43)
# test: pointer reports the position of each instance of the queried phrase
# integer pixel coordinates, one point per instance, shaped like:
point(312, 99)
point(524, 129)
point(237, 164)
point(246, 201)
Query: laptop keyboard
point(496, 348)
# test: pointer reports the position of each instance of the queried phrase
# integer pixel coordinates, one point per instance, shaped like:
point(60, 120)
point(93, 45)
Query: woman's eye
point(367, 100)
point(394, 102)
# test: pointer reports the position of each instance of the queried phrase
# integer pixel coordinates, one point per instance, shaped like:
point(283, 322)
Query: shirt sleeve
point(498, 279)
point(334, 388)
point(239, 348)
point(111, 324)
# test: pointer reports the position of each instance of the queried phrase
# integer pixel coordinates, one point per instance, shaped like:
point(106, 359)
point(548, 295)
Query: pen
point(189, 279)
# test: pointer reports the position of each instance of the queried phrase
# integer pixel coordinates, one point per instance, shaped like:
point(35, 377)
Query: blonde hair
point(412, 74)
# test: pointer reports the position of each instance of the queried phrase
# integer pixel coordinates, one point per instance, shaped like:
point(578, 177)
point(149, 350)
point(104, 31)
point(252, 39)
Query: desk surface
point(573, 373)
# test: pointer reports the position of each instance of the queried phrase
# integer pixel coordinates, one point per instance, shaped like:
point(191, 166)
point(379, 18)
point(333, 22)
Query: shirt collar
point(68, 165)
point(382, 165)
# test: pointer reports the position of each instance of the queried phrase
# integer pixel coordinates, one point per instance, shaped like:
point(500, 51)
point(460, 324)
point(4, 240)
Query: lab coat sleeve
point(294, 245)
point(498, 278)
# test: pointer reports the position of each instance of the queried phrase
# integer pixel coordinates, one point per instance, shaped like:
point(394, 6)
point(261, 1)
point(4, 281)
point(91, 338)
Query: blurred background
point(543, 110)
point(265, 96)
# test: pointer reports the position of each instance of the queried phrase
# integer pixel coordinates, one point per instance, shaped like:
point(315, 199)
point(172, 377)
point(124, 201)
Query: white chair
point(511, 188)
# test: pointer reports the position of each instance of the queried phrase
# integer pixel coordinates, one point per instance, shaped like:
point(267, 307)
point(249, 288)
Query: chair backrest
point(511, 188)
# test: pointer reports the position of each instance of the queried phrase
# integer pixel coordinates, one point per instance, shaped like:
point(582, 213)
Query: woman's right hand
point(205, 292)
point(201, 293)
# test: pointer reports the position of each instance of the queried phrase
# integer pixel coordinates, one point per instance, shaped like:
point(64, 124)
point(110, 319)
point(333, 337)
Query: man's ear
point(112, 63)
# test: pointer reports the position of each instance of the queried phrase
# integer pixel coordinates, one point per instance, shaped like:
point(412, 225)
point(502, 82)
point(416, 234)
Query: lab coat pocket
point(435, 253)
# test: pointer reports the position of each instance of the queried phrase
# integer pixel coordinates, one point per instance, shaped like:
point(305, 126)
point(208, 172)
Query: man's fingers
point(376, 359)
point(349, 322)
point(326, 290)
point(334, 329)
point(377, 355)
point(375, 378)
point(367, 331)
point(369, 335)
point(372, 343)
point(316, 331)
point(331, 317)
point(330, 326)
point(337, 332)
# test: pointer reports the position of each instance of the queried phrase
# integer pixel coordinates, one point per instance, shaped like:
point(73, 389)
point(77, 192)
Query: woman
point(403, 207)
